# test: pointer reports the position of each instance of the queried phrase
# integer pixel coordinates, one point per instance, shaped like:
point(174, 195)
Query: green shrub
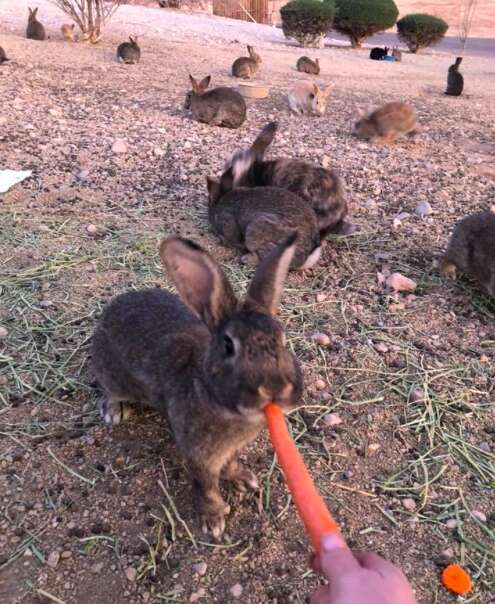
point(308, 21)
point(359, 19)
point(421, 30)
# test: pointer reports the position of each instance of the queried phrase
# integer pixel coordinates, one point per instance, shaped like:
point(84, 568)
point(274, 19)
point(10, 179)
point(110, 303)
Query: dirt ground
point(92, 515)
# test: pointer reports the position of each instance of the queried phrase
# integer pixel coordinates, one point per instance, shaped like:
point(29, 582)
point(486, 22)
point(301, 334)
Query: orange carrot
point(455, 578)
point(310, 506)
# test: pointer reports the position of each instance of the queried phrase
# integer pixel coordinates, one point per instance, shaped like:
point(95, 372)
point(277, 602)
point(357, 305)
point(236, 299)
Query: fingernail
point(331, 542)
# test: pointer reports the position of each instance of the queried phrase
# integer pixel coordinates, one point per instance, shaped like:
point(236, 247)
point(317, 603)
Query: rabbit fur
point(34, 30)
point(471, 249)
point(3, 56)
point(397, 54)
point(378, 54)
point(388, 122)
point(308, 98)
point(247, 67)
point(322, 189)
point(257, 219)
point(129, 52)
point(307, 65)
point(220, 106)
point(68, 32)
point(208, 362)
point(455, 79)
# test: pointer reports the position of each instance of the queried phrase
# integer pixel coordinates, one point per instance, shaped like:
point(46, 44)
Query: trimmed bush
point(359, 19)
point(421, 30)
point(308, 21)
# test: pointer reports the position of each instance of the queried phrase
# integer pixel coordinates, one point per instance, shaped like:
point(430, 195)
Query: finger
point(373, 561)
point(314, 563)
point(336, 559)
point(320, 597)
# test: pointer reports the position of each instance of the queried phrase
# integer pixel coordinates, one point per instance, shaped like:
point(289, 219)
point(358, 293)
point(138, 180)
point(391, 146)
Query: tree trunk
point(356, 42)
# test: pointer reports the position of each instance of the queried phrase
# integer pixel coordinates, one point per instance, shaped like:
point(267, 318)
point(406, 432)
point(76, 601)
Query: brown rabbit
point(322, 189)
point(258, 219)
point(129, 52)
point(471, 249)
point(34, 30)
point(387, 123)
point(220, 106)
point(68, 32)
point(3, 56)
point(247, 67)
point(306, 65)
point(209, 363)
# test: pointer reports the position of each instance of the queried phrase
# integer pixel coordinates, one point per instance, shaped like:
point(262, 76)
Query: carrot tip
point(455, 578)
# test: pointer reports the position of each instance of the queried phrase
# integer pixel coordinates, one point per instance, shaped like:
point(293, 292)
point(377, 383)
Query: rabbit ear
point(199, 280)
point(194, 84)
point(316, 89)
point(73, 25)
point(264, 140)
point(35, 12)
point(205, 82)
point(250, 49)
point(214, 189)
point(265, 289)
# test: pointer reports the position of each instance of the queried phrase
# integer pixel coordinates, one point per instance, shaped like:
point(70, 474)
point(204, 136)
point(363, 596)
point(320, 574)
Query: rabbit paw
point(250, 260)
point(114, 411)
point(213, 521)
point(243, 479)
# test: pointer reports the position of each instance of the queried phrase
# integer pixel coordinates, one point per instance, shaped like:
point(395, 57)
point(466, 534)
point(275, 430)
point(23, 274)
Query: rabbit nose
point(278, 395)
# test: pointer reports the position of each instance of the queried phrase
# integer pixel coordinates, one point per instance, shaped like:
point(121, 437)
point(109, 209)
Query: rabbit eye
point(311, 96)
point(229, 347)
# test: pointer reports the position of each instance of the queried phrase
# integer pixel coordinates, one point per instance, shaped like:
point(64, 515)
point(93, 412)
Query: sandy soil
point(410, 470)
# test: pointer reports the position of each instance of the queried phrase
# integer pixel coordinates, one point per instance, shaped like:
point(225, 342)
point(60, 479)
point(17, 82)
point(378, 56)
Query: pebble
point(409, 504)
point(131, 574)
point(321, 339)
point(400, 283)
point(83, 174)
point(3, 380)
point(481, 516)
point(119, 146)
point(451, 523)
point(97, 568)
point(332, 419)
point(3, 332)
point(416, 396)
point(448, 553)
point(423, 209)
point(66, 554)
point(320, 384)
point(200, 568)
point(158, 152)
point(46, 303)
point(53, 559)
point(201, 593)
point(92, 229)
point(373, 447)
point(381, 347)
point(236, 590)
point(484, 446)
point(321, 297)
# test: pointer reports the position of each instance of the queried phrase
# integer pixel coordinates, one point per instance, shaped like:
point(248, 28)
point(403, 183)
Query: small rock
point(201, 593)
point(484, 446)
point(451, 523)
point(448, 553)
point(236, 590)
point(66, 554)
point(131, 574)
point(373, 447)
point(332, 419)
point(54, 111)
point(481, 516)
point(92, 229)
point(187, 145)
point(423, 209)
point(484, 358)
point(321, 297)
point(83, 174)
point(97, 568)
point(399, 283)
point(409, 504)
point(46, 303)
point(158, 152)
point(119, 146)
point(3, 380)
point(381, 347)
point(416, 396)
point(325, 161)
point(321, 339)
point(53, 559)
point(3, 332)
point(320, 384)
point(200, 568)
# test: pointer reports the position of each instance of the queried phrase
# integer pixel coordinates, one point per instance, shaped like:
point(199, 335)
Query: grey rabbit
point(471, 249)
point(322, 189)
point(306, 65)
point(257, 219)
point(455, 79)
point(129, 52)
point(247, 67)
point(209, 362)
point(220, 106)
point(3, 56)
point(34, 30)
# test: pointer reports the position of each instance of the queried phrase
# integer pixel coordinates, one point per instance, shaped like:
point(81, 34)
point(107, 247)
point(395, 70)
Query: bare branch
point(89, 15)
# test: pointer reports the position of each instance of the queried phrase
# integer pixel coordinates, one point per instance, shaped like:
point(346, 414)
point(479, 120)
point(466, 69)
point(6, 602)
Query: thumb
point(336, 559)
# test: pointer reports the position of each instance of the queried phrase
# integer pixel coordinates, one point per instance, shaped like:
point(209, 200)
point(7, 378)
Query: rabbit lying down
point(387, 123)
point(209, 362)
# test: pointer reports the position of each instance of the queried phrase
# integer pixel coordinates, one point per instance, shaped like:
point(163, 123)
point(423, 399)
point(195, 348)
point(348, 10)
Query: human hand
point(356, 577)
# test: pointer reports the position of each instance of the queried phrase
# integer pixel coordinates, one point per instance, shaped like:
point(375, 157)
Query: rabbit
point(471, 249)
point(397, 54)
point(68, 32)
point(3, 56)
point(247, 67)
point(257, 219)
point(34, 30)
point(307, 97)
point(219, 106)
point(322, 189)
point(129, 52)
point(306, 65)
point(385, 124)
point(455, 80)
point(208, 362)
point(378, 54)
